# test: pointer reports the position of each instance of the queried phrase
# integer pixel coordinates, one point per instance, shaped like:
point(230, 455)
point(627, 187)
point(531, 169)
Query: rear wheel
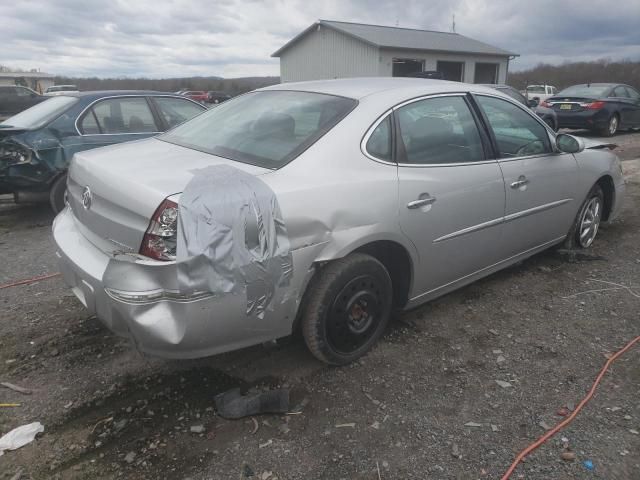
point(348, 308)
point(57, 194)
point(612, 126)
point(587, 223)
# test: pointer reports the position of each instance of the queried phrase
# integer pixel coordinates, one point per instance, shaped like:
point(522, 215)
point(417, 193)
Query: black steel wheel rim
point(355, 314)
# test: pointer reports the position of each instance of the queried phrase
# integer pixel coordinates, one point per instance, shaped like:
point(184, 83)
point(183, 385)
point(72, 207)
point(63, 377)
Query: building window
point(486, 73)
point(451, 70)
point(403, 67)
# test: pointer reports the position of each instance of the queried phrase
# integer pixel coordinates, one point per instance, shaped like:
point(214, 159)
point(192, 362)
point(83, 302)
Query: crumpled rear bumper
point(140, 299)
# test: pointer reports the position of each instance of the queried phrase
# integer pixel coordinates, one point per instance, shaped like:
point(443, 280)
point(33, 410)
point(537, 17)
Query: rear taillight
point(545, 104)
point(160, 239)
point(593, 105)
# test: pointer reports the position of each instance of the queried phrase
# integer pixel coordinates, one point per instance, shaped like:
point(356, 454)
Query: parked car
point(545, 113)
point(434, 74)
point(321, 206)
point(602, 107)
point(196, 95)
point(539, 92)
point(60, 90)
point(14, 99)
point(36, 145)
point(217, 97)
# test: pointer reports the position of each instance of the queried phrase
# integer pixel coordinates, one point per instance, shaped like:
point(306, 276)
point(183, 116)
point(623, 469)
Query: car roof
point(358, 88)
point(116, 93)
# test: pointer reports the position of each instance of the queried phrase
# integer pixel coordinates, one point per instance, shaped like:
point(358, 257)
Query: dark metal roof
point(407, 38)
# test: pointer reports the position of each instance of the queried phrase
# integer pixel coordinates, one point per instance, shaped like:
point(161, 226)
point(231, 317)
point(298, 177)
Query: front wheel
point(587, 223)
point(348, 308)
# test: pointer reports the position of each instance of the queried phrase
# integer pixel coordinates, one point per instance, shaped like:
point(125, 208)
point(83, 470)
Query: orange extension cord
point(568, 420)
point(30, 280)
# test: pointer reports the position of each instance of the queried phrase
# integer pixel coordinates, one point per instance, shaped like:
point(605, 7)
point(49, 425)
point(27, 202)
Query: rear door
point(540, 184)
point(625, 105)
point(635, 101)
point(451, 193)
point(114, 120)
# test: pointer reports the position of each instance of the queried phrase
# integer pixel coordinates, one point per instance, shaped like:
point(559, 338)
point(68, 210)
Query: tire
point(57, 194)
point(612, 126)
point(582, 234)
point(348, 308)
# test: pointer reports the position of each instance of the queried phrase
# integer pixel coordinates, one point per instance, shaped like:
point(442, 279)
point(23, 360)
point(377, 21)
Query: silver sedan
point(321, 206)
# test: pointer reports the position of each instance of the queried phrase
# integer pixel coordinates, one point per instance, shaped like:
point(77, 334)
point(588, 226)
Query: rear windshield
point(535, 89)
point(62, 88)
point(585, 91)
point(41, 113)
point(267, 129)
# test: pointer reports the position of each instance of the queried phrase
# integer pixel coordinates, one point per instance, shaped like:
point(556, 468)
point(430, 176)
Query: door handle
point(521, 182)
point(422, 202)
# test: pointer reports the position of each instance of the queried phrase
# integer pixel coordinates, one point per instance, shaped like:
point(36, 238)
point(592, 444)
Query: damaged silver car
point(321, 206)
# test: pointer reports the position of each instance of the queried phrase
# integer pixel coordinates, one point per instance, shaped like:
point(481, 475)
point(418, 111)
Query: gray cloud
point(235, 38)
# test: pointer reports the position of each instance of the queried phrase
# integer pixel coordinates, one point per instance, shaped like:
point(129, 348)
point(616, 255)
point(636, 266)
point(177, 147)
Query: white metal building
point(329, 49)
point(37, 81)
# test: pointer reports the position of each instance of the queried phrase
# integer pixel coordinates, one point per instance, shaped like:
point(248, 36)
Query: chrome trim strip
point(556, 240)
point(84, 110)
point(505, 219)
point(538, 209)
point(473, 228)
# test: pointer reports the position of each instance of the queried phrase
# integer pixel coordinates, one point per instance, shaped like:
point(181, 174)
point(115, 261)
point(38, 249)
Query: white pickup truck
point(539, 92)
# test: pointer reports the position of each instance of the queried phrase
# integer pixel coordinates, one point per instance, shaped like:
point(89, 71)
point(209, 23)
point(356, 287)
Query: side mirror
point(532, 103)
point(569, 144)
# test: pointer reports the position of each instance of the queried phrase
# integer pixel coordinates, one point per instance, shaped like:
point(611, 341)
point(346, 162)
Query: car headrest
point(274, 124)
point(136, 124)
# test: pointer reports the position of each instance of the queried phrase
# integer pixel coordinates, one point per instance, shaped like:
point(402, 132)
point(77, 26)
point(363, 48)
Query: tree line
point(232, 86)
point(567, 74)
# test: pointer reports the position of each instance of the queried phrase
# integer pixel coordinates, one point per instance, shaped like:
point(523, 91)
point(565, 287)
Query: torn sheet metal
point(231, 237)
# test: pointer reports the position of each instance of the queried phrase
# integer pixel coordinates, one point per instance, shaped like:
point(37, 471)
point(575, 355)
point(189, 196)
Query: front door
point(451, 195)
point(540, 184)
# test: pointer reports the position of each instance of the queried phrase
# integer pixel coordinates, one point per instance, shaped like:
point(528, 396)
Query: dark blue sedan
point(37, 144)
point(602, 107)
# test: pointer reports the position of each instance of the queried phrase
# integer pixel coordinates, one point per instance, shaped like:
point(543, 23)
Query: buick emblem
point(86, 198)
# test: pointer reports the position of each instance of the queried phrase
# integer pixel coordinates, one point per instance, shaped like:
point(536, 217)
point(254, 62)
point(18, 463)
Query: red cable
point(568, 420)
point(30, 280)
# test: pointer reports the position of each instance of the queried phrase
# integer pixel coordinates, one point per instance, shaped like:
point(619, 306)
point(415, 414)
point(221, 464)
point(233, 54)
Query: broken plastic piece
point(232, 404)
point(19, 437)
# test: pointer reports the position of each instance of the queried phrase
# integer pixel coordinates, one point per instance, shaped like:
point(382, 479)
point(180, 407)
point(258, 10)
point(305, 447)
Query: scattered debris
point(544, 425)
point(68, 405)
point(503, 384)
point(568, 456)
point(375, 425)
point(130, 457)
point(266, 444)
point(494, 428)
point(9, 405)
point(501, 359)
point(563, 412)
point(588, 464)
point(635, 432)
point(378, 469)
point(18, 474)
point(256, 426)
point(346, 425)
point(455, 451)
point(472, 424)
point(266, 475)
point(16, 388)
point(493, 332)
point(197, 429)
point(20, 436)
point(233, 405)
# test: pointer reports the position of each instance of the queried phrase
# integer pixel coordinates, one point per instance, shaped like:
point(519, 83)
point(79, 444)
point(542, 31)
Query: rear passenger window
point(176, 110)
point(439, 130)
point(379, 143)
point(632, 93)
point(620, 92)
point(517, 133)
point(122, 115)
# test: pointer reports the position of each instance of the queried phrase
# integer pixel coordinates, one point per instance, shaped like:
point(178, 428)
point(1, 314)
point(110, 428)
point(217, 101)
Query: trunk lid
point(124, 184)
point(569, 104)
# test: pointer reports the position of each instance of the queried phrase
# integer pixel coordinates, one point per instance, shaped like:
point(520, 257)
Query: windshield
point(587, 91)
point(40, 114)
point(267, 129)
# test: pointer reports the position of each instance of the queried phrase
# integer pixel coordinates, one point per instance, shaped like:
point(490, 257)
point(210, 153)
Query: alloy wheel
point(613, 125)
point(590, 222)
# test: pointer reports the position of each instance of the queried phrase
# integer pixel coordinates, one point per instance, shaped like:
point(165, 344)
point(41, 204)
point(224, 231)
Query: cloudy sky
point(233, 38)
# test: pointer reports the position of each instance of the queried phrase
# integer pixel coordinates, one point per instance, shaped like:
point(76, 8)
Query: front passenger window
point(517, 133)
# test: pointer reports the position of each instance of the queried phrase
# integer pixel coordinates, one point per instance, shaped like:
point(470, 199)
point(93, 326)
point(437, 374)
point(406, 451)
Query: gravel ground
point(424, 404)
